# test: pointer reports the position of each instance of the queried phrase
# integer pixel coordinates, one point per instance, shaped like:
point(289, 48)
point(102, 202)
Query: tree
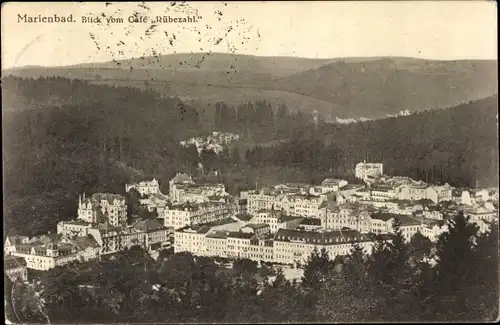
point(245, 266)
point(456, 268)
point(318, 267)
point(132, 199)
point(316, 272)
point(235, 157)
point(348, 296)
point(391, 273)
point(420, 247)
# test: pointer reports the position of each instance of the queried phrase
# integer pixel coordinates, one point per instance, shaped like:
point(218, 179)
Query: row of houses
point(255, 242)
point(77, 241)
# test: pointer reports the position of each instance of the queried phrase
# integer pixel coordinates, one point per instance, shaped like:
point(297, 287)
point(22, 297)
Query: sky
point(445, 30)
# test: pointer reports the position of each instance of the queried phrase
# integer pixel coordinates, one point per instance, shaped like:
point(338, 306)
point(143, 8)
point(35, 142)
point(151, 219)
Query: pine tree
point(456, 268)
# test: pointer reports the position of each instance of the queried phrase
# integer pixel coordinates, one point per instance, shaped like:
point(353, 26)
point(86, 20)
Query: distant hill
point(345, 88)
point(385, 86)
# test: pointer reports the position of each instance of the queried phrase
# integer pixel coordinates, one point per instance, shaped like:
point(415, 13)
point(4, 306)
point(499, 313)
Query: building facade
point(145, 188)
point(185, 214)
point(364, 170)
point(102, 207)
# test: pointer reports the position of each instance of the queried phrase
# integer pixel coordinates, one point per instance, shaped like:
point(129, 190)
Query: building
point(264, 200)
point(12, 241)
point(482, 215)
point(197, 192)
point(363, 170)
point(102, 207)
point(382, 193)
point(310, 224)
point(179, 179)
point(150, 235)
point(276, 220)
point(185, 214)
point(412, 192)
point(351, 216)
point(333, 184)
point(295, 246)
point(145, 188)
point(191, 239)
point(434, 228)
point(307, 205)
point(15, 268)
point(46, 252)
point(73, 228)
point(194, 238)
point(432, 212)
point(156, 202)
point(439, 193)
point(256, 228)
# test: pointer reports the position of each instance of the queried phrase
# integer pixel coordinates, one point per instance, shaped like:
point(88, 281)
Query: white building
point(145, 188)
point(482, 215)
point(156, 202)
point(102, 207)
point(439, 193)
point(73, 228)
point(295, 246)
point(276, 220)
point(186, 214)
point(148, 234)
point(46, 252)
point(351, 216)
point(364, 170)
point(333, 184)
point(183, 189)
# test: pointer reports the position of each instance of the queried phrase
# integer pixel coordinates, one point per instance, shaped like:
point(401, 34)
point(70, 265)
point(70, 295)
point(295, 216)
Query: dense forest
point(393, 284)
point(458, 145)
point(63, 137)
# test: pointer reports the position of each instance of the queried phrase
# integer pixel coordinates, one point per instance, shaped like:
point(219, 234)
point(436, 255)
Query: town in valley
point(250, 162)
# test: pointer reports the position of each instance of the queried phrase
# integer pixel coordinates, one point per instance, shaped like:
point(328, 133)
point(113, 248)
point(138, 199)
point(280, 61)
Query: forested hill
point(62, 137)
point(458, 145)
point(338, 87)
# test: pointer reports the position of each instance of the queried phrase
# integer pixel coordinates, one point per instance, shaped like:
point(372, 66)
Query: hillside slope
point(345, 88)
point(377, 88)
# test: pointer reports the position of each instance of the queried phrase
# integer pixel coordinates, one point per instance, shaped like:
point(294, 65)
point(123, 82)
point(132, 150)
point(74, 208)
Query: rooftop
point(285, 218)
point(320, 238)
point(242, 235)
point(148, 225)
point(311, 222)
point(257, 225)
point(244, 216)
point(217, 234)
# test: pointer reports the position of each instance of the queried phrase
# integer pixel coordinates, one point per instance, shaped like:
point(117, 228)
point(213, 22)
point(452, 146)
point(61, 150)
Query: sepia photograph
point(250, 162)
